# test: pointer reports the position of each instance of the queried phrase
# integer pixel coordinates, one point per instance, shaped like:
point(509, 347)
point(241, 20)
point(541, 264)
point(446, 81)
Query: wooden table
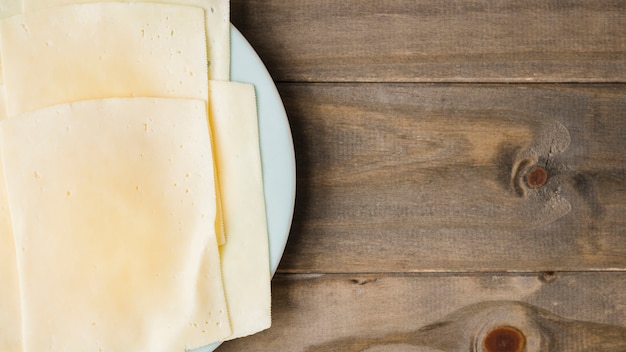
point(461, 174)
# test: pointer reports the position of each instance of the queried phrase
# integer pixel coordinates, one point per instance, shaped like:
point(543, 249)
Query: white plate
point(277, 153)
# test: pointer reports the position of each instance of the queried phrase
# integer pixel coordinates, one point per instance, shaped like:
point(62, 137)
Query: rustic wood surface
point(422, 312)
point(427, 177)
point(441, 41)
point(421, 221)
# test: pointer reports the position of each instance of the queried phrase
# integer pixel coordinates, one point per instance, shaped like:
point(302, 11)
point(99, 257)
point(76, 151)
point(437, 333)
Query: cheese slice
point(111, 202)
point(103, 50)
point(217, 14)
point(245, 255)
point(142, 49)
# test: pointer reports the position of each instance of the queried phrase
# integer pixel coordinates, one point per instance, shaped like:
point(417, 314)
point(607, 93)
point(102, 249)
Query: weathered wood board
point(429, 313)
point(422, 177)
point(437, 41)
point(416, 173)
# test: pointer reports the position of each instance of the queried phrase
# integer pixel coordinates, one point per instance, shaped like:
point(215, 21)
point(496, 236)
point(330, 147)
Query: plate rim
point(271, 95)
point(268, 100)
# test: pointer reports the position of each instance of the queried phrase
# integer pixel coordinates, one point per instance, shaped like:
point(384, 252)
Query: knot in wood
point(536, 177)
point(504, 339)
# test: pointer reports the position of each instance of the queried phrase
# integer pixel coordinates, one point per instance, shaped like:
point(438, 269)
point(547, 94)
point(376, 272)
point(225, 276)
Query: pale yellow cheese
point(10, 318)
point(10, 315)
point(3, 102)
point(65, 39)
point(217, 14)
point(111, 202)
point(103, 50)
point(245, 256)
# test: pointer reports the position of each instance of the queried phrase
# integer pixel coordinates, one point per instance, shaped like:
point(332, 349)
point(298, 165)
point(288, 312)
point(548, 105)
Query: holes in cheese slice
point(110, 220)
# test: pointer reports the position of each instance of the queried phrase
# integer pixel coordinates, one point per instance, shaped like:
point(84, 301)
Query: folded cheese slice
point(111, 202)
point(217, 22)
point(245, 255)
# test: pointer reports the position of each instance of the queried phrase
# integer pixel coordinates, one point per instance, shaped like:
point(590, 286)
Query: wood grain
point(412, 173)
point(435, 41)
point(429, 313)
point(420, 177)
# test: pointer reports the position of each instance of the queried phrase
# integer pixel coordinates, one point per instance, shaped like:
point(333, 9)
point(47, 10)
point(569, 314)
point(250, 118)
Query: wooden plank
point(562, 312)
point(435, 41)
point(419, 177)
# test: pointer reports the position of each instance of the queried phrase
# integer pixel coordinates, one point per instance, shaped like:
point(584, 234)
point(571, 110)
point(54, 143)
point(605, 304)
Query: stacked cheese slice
point(125, 154)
